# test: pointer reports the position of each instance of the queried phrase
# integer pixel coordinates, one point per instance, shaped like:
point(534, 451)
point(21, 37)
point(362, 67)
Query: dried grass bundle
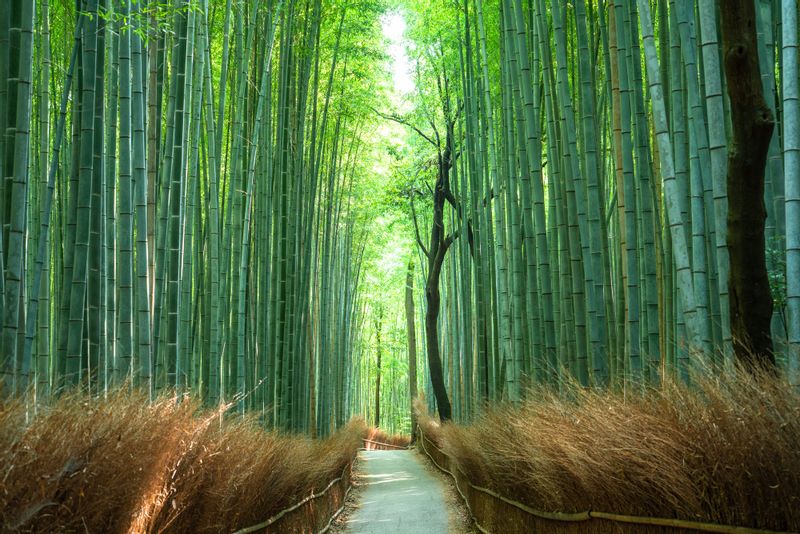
point(723, 451)
point(125, 465)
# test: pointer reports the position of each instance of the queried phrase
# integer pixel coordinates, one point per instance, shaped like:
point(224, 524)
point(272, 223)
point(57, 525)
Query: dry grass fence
point(725, 452)
point(125, 465)
point(378, 440)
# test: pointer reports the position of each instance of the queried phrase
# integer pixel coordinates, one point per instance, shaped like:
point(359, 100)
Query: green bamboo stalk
point(251, 171)
point(13, 317)
point(41, 254)
point(143, 372)
point(718, 146)
point(213, 216)
point(678, 233)
point(538, 224)
point(791, 165)
point(75, 366)
point(95, 314)
point(126, 206)
point(43, 317)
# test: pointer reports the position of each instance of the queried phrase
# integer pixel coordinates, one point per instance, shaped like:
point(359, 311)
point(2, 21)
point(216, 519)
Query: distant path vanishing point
point(400, 496)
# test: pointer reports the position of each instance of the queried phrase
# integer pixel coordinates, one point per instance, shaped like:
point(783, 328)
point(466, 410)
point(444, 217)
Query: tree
point(440, 241)
point(412, 345)
point(438, 246)
point(379, 353)
point(753, 124)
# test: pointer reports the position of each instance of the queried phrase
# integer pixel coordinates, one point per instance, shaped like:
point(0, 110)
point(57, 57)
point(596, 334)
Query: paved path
point(400, 496)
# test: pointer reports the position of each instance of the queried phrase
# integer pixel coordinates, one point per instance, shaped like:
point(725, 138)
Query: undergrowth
point(125, 465)
point(724, 451)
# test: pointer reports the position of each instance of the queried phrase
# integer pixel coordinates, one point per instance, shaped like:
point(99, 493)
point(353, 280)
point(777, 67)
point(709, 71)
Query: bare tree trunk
point(412, 347)
point(433, 298)
point(436, 253)
point(753, 123)
point(439, 241)
point(378, 322)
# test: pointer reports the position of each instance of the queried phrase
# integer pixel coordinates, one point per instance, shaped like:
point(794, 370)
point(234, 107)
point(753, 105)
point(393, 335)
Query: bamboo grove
point(180, 199)
point(588, 196)
point(191, 200)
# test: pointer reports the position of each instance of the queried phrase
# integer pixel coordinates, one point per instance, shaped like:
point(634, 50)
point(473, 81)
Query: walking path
point(399, 496)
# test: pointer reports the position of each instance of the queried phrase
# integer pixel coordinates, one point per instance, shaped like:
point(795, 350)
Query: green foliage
point(776, 272)
point(146, 18)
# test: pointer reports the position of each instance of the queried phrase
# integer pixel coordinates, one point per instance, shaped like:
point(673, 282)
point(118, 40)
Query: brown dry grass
point(378, 437)
point(123, 465)
point(726, 451)
point(429, 424)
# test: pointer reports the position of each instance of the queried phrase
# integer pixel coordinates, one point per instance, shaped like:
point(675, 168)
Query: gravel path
point(398, 495)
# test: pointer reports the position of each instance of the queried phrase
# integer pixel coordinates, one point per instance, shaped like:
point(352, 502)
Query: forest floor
point(399, 491)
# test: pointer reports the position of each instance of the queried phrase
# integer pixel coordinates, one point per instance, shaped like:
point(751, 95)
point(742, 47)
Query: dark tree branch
point(470, 234)
point(416, 229)
point(450, 239)
point(451, 199)
point(400, 120)
point(458, 111)
point(436, 132)
point(458, 154)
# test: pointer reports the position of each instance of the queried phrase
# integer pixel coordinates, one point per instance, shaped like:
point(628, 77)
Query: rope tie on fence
point(588, 515)
point(339, 511)
point(272, 520)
